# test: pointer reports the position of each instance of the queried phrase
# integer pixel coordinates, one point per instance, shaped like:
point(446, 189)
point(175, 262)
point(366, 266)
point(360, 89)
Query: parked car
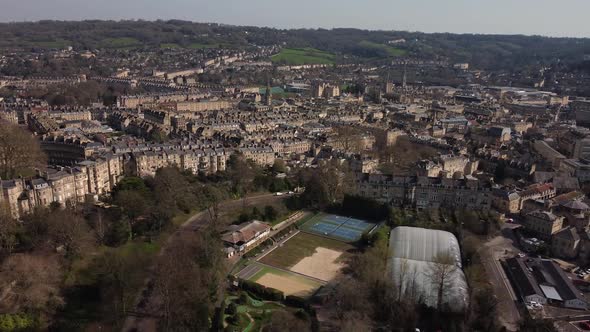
point(584, 325)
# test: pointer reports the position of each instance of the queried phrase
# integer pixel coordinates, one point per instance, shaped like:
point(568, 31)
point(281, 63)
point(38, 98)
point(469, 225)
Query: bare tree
point(285, 321)
point(100, 226)
point(30, 282)
point(351, 296)
point(348, 138)
point(120, 274)
point(213, 198)
point(404, 269)
point(189, 278)
point(8, 231)
point(413, 290)
point(441, 273)
point(19, 151)
point(354, 322)
point(67, 229)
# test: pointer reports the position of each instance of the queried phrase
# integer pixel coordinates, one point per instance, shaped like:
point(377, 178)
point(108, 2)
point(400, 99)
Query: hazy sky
point(542, 17)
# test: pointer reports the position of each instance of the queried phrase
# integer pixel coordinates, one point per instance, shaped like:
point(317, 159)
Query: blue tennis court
point(337, 227)
point(357, 224)
point(324, 228)
point(334, 219)
point(346, 234)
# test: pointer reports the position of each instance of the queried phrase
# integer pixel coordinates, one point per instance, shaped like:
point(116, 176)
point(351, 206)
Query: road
point(147, 319)
point(500, 247)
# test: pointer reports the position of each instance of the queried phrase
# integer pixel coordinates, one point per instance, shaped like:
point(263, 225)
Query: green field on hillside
point(122, 42)
point(303, 56)
point(57, 43)
point(391, 51)
point(169, 45)
point(195, 46)
point(202, 46)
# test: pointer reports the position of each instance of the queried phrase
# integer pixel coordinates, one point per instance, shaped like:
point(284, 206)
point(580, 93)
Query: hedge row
point(264, 293)
point(17, 322)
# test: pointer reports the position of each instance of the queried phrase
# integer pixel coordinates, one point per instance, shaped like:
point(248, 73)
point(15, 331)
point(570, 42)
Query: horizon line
point(290, 28)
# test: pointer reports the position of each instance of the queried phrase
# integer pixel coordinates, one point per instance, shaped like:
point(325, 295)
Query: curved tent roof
point(413, 261)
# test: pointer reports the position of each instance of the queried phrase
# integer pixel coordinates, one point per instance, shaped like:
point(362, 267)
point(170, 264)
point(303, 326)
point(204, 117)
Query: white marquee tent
point(415, 253)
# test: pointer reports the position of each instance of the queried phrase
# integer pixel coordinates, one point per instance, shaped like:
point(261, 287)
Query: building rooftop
point(542, 277)
point(244, 233)
point(414, 254)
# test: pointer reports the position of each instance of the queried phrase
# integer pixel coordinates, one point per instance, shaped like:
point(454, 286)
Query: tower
point(402, 97)
point(268, 94)
point(388, 84)
point(404, 77)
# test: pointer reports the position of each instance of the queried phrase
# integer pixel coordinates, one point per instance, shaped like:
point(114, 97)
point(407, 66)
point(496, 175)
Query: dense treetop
point(482, 51)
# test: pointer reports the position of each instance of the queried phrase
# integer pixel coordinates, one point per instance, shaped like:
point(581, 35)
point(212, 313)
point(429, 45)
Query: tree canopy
point(20, 152)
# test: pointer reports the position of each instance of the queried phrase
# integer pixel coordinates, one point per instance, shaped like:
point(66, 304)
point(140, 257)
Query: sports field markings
point(288, 282)
point(249, 271)
point(324, 264)
point(297, 274)
point(278, 245)
point(337, 227)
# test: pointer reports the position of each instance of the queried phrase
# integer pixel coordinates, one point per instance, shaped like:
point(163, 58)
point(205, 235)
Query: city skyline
point(526, 17)
point(169, 174)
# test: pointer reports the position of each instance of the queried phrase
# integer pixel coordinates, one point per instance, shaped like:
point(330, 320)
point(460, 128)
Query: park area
point(292, 270)
point(244, 312)
point(287, 282)
point(337, 227)
point(310, 258)
point(310, 255)
point(303, 56)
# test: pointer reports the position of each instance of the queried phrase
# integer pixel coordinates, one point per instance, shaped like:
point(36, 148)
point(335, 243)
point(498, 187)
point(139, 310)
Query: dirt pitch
point(324, 264)
point(287, 285)
point(301, 246)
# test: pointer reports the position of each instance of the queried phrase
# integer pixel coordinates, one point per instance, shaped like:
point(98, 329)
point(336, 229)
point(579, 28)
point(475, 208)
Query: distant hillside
point(482, 51)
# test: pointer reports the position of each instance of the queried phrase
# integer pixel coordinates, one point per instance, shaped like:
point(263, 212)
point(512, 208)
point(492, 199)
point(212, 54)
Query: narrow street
point(501, 247)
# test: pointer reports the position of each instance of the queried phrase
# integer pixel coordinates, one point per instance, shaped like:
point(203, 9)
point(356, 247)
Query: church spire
point(268, 94)
point(404, 78)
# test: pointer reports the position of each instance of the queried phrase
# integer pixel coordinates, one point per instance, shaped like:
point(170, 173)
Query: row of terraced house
point(64, 185)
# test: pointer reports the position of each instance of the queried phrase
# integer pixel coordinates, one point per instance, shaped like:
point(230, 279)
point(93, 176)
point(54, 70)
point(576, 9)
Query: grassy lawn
point(301, 56)
point(58, 43)
point(169, 45)
point(391, 51)
point(267, 269)
point(304, 220)
point(278, 92)
point(182, 217)
point(122, 42)
point(240, 265)
point(300, 246)
point(232, 216)
point(145, 248)
point(260, 311)
point(199, 46)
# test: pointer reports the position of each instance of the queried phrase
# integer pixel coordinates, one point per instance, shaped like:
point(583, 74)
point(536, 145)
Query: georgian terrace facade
point(424, 192)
